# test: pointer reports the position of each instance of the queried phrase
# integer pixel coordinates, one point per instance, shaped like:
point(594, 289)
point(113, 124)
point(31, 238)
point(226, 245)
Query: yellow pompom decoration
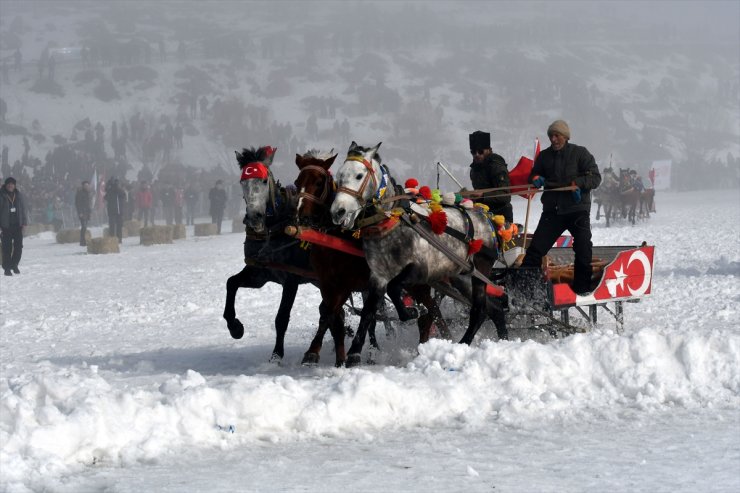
point(436, 195)
point(484, 207)
point(499, 220)
point(435, 207)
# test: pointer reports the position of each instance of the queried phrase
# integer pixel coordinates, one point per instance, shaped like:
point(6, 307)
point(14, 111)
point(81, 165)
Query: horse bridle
point(321, 199)
point(370, 175)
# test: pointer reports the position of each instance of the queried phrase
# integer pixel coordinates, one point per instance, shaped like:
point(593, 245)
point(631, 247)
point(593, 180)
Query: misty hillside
point(635, 87)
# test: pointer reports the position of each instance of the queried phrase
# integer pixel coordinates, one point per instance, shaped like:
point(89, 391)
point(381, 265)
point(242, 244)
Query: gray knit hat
point(560, 127)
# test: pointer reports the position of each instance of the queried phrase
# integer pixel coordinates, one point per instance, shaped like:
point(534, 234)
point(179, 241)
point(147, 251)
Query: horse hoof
point(353, 360)
point(236, 329)
point(276, 359)
point(310, 359)
point(409, 313)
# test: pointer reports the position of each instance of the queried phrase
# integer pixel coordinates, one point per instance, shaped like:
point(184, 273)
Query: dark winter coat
point(115, 199)
point(7, 201)
point(217, 196)
point(492, 172)
point(572, 164)
point(82, 203)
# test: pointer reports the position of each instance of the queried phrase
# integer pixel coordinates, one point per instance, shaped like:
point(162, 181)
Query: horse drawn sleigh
point(424, 248)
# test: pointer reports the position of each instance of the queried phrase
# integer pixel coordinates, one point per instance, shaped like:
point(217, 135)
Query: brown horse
point(341, 274)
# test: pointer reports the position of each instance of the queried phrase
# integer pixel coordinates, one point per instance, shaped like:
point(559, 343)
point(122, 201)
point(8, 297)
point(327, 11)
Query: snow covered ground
point(118, 374)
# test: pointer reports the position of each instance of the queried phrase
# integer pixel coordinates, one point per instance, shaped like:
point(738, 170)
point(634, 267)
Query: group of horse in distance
point(623, 196)
point(399, 262)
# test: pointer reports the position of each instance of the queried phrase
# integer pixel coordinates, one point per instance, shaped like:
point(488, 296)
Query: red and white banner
point(628, 276)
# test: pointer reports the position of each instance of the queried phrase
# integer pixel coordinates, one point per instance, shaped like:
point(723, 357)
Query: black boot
point(15, 270)
point(8, 273)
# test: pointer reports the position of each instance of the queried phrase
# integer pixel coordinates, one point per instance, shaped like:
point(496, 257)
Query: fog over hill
point(637, 81)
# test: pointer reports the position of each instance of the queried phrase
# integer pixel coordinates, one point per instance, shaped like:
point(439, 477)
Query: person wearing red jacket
point(144, 203)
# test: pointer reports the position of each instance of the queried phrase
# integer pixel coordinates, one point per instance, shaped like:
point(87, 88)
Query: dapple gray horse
point(404, 256)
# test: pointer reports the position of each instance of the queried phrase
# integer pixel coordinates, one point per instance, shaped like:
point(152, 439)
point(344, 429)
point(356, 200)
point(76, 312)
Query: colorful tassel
point(411, 183)
point(474, 246)
point(438, 221)
point(425, 192)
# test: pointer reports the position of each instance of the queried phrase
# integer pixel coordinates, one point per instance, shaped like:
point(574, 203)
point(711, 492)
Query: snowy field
point(119, 375)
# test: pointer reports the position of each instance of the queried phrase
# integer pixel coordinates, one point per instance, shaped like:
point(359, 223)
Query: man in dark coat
point(217, 197)
point(489, 170)
point(115, 199)
point(560, 165)
point(84, 208)
point(13, 218)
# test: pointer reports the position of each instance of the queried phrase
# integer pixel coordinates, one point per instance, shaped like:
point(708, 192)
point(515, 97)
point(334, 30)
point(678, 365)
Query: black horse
point(270, 255)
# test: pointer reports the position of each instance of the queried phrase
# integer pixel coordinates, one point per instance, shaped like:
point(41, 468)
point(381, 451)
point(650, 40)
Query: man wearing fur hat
point(489, 170)
point(561, 165)
point(13, 218)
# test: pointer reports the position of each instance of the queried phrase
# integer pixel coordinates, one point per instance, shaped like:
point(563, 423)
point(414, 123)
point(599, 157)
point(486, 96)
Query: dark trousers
point(216, 218)
point(550, 227)
point(12, 246)
point(115, 226)
point(83, 230)
point(178, 214)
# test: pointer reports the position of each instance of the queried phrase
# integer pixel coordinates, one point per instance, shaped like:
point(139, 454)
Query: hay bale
point(33, 229)
point(72, 236)
point(155, 235)
point(206, 229)
point(238, 226)
point(106, 244)
point(131, 228)
point(179, 232)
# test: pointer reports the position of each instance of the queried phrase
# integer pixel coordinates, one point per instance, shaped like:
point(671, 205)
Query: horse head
point(315, 186)
point(258, 185)
point(358, 180)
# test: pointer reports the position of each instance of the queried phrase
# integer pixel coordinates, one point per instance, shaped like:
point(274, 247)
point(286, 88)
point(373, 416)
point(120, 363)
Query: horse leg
point(598, 209)
point(477, 311)
point(367, 319)
point(290, 288)
point(395, 293)
point(311, 356)
point(249, 277)
point(423, 294)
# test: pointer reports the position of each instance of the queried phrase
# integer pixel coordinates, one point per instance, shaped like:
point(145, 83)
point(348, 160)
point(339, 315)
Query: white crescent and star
point(641, 257)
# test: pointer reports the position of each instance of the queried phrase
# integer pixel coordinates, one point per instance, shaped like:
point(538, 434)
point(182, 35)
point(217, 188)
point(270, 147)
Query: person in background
point(144, 203)
point(13, 218)
point(179, 203)
point(560, 165)
point(489, 170)
point(191, 201)
point(217, 197)
point(115, 199)
point(84, 208)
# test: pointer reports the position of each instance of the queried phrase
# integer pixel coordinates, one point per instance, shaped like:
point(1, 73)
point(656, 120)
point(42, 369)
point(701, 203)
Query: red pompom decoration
point(438, 221)
point(426, 192)
point(474, 246)
point(411, 183)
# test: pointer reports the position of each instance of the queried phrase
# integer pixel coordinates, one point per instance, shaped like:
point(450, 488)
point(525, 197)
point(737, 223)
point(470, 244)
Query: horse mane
point(251, 155)
point(318, 154)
